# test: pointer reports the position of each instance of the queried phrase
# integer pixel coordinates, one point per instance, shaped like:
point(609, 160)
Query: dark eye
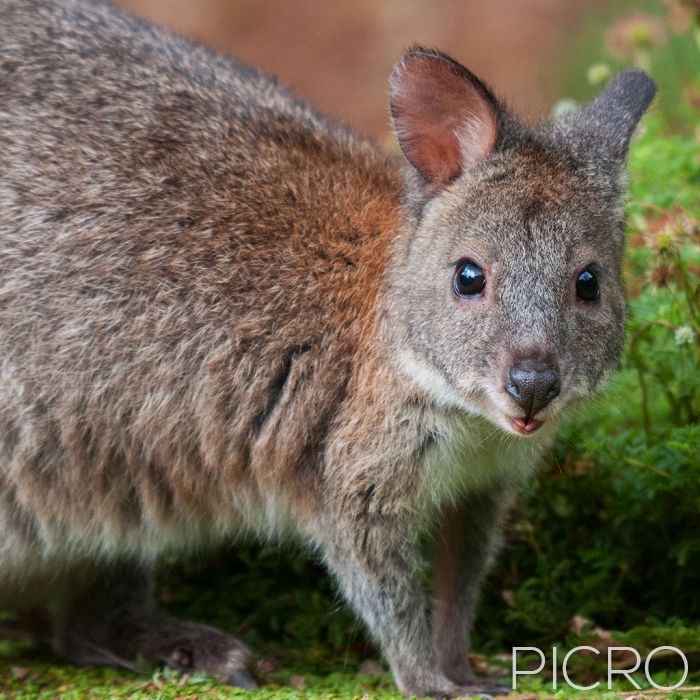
point(469, 280)
point(587, 285)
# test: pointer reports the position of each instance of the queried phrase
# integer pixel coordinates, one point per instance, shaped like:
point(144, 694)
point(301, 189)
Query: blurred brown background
point(338, 54)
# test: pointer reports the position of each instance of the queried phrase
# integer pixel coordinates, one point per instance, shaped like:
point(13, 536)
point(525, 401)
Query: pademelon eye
point(587, 285)
point(469, 279)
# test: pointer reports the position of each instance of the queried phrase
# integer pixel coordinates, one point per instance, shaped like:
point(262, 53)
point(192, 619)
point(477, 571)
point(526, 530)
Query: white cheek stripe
point(430, 380)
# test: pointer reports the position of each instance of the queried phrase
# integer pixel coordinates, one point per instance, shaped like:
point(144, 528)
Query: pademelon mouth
point(525, 425)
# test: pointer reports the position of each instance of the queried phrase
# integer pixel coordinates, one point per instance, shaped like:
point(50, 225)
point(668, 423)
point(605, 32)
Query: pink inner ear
point(443, 122)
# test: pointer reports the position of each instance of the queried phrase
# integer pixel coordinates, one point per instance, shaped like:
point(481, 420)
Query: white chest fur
point(467, 454)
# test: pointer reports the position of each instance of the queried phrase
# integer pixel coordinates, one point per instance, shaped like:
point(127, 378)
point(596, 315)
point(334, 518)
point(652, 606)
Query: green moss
point(30, 673)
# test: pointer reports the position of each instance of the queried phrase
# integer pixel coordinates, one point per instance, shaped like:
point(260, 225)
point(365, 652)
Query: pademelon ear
point(601, 129)
point(444, 117)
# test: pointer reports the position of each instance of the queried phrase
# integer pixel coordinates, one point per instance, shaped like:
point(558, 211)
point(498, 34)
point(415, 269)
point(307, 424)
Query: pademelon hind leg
point(110, 619)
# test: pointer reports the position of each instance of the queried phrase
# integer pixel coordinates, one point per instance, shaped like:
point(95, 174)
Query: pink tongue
point(526, 425)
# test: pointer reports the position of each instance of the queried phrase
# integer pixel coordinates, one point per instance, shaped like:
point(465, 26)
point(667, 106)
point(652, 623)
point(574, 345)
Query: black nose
point(533, 383)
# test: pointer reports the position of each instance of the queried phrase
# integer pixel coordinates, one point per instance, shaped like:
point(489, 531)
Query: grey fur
point(221, 312)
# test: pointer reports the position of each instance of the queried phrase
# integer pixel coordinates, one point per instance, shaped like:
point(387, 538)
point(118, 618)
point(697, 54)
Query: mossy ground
point(31, 672)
